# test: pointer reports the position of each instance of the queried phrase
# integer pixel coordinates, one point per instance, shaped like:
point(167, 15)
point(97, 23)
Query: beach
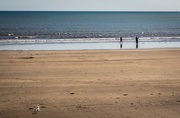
point(90, 83)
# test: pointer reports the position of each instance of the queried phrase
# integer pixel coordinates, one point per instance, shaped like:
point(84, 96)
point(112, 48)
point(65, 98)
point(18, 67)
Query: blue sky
point(90, 5)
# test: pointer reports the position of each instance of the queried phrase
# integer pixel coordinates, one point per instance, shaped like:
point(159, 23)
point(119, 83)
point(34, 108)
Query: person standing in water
point(120, 42)
point(120, 39)
point(137, 42)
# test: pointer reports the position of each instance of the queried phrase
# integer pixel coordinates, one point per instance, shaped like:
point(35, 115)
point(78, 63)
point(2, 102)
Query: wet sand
point(90, 84)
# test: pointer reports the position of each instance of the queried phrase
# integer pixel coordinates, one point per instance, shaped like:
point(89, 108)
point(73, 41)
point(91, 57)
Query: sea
point(63, 30)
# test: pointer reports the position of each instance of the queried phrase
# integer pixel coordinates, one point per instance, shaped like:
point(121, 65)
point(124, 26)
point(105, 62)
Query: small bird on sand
point(37, 109)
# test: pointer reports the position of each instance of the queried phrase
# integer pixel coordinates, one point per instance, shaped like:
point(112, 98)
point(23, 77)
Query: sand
point(90, 84)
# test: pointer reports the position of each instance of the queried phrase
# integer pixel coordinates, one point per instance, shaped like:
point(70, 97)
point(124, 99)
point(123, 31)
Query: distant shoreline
point(86, 45)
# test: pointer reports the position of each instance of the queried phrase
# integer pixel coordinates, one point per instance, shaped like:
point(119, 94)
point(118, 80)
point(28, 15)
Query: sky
point(90, 5)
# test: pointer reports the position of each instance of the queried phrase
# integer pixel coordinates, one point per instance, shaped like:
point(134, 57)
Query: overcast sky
point(90, 5)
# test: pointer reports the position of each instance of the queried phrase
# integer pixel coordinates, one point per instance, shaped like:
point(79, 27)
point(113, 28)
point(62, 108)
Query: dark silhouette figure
point(120, 39)
point(120, 42)
point(137, 42)
point(136, 39)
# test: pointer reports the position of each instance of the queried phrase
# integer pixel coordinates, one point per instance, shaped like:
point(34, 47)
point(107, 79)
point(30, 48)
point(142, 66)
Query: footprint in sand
point(125, 94)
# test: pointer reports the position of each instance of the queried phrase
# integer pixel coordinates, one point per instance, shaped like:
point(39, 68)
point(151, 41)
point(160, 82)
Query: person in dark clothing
point(137, 42)
point(120, 39)
point(120, 42)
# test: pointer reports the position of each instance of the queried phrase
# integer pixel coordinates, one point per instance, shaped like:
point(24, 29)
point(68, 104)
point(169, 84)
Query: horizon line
point(90, 11)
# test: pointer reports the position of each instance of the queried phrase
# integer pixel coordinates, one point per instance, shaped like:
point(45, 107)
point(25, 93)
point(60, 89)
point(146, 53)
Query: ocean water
point(24, 27)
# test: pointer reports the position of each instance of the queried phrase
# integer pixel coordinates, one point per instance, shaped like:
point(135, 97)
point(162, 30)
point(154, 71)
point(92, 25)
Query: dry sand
point(90, 84)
